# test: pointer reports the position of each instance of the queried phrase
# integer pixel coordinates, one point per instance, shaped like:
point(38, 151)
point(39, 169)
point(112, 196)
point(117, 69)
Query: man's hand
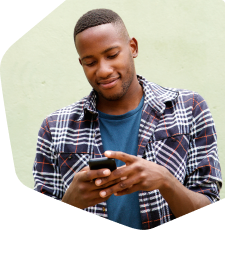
point(83, 191)
point(143, 175)
point(138, 175)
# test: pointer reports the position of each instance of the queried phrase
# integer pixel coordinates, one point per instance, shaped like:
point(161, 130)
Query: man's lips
point(109, 83)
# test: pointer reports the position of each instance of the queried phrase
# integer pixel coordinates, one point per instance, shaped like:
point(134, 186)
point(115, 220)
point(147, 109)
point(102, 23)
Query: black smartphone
point(99, 163)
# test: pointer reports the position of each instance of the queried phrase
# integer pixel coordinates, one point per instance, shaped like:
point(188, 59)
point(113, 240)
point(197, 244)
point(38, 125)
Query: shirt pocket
point(172, 153)
point(70, 164)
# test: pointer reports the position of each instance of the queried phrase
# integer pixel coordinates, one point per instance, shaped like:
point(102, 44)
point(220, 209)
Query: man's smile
point(108, 83)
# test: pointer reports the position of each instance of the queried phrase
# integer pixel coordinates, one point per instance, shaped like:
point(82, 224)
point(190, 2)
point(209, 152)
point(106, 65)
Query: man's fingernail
point(106, 172)
point(123, 178)
point(115, 193)
point(108, 153)
point(103, 194)
point(98, 181)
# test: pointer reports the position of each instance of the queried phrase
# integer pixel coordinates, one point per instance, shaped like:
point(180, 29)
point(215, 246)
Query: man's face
point(107, 59)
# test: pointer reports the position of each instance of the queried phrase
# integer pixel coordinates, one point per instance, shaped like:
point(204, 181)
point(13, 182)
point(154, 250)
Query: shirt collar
point(156, 96)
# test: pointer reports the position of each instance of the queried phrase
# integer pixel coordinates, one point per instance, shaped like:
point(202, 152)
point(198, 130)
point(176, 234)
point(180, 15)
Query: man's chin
point(113, 97)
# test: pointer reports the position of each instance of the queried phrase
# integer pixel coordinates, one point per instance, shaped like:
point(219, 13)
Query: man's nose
point(104, 69)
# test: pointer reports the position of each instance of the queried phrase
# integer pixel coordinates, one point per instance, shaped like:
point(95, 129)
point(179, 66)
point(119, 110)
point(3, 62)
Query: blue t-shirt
point(120, 133)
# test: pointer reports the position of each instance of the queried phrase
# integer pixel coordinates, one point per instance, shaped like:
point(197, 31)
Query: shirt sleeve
point(203, 167)
point(47, 179)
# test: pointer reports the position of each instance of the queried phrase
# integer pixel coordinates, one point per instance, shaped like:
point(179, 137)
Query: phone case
point(102, 163)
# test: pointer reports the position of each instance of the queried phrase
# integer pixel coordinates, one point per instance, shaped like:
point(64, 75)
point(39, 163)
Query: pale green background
point(181, 45)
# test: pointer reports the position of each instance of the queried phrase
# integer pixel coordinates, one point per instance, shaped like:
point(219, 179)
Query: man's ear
point(80, 62)
point(134, 47)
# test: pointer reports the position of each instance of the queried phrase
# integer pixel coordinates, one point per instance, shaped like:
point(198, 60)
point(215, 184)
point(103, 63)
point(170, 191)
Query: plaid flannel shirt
point(176, 131)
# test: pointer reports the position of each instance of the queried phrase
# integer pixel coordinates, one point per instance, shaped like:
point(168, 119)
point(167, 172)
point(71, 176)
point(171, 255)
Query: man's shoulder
point(183, 91)
point(180, 98)
point(182, 94)
point(167, 93)
point(72, 112)
point(74, 108)
point(190, 102)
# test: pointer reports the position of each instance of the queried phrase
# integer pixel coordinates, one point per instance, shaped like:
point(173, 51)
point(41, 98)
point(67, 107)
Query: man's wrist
point(168, 182)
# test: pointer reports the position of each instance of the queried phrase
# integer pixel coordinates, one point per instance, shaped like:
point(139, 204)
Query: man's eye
point(90, 64)
point(113, 56)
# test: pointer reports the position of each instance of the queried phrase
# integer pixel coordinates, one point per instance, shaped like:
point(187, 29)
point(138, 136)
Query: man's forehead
point(105, 35)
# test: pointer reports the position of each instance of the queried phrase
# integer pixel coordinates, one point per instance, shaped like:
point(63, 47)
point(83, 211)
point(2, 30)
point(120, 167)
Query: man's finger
point(84, 169)
point(93, 174)
point(132, 189)
point(122, 185)
point(118, 174)
point(121, 156)
point(103, 182)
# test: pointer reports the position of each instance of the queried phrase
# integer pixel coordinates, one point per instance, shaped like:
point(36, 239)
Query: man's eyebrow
point(86, 57)
point(108, 49)
point(105, 51)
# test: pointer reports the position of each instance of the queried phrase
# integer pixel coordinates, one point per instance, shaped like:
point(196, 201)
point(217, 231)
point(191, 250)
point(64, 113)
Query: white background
point(33, 225)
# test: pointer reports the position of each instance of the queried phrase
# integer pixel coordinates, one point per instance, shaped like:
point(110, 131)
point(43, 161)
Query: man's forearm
point(180, 199)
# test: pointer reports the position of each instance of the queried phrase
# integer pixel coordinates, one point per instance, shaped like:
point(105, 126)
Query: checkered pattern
point(176, 131)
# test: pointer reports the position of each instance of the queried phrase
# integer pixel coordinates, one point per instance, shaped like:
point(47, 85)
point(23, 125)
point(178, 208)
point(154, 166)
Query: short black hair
point(97, 17)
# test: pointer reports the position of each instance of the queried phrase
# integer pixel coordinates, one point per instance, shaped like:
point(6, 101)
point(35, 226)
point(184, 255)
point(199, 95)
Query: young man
point(163, 140)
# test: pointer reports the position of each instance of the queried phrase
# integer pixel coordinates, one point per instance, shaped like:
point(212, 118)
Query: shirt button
point(103, 208)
